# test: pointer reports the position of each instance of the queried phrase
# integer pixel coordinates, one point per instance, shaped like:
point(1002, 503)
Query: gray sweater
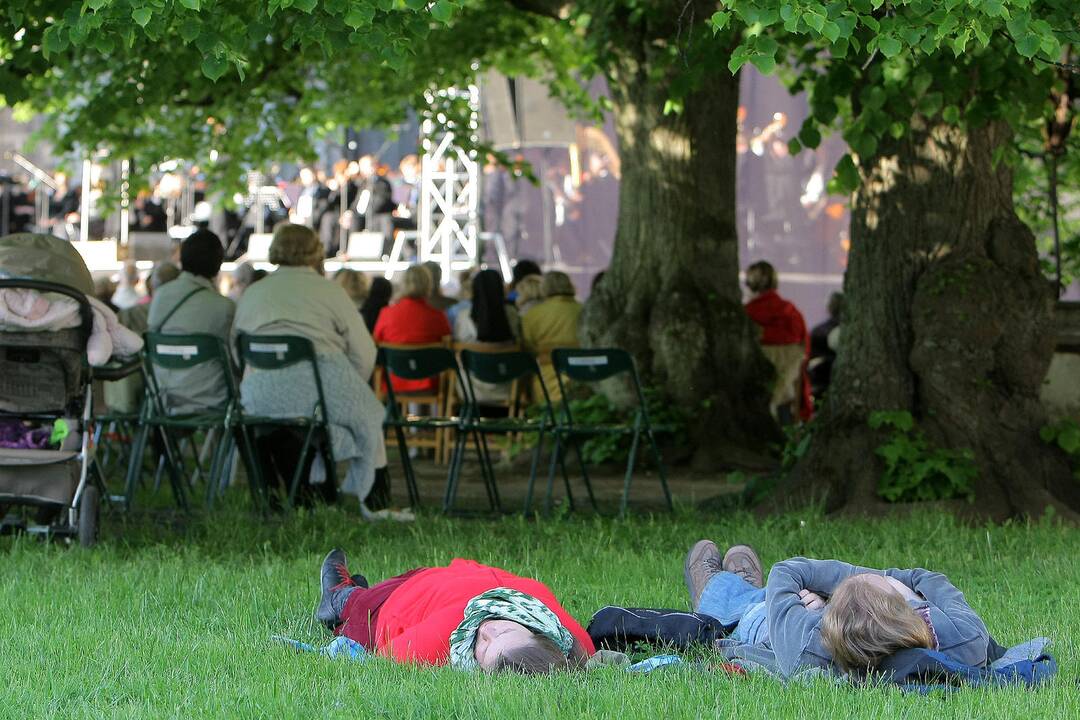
point(794, 632)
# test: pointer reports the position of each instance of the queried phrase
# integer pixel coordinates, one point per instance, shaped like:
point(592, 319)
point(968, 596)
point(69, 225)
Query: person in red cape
point(782, 325)
point(467, 615)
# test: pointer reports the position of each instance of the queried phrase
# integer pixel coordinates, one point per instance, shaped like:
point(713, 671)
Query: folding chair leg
point(532, 470)
point(556, 460)
point(454, 474)
point(660, 468)
point(410, 477)
point(135, 464)
point(301, 463)
point(629, 472)
point(256, 482)
point(217, 467)
point(489, 472)
point(585, 475)
point(174, 462)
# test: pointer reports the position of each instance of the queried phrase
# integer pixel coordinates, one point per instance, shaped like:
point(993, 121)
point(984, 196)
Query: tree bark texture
point(671, 295)
point(947, 316)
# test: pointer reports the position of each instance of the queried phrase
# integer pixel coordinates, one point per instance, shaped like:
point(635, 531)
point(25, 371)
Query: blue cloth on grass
point(340, 647)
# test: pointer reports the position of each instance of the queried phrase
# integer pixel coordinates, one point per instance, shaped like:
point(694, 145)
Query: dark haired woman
point(490, 320)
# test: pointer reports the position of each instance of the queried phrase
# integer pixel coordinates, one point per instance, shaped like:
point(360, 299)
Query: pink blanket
point(22, 310)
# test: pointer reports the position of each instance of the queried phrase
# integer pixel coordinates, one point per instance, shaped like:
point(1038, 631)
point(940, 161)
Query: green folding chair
point(423, 363)
point(593, 366)
point(185, 352)
point(503, 367)
point(267, 353)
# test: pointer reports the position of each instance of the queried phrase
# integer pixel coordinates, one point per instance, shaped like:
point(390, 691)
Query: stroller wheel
point(89, 510)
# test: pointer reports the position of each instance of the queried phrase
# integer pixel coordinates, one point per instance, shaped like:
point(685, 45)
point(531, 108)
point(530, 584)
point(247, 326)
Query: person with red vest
point(413, 321)
point(783, 333)
point(466, 615)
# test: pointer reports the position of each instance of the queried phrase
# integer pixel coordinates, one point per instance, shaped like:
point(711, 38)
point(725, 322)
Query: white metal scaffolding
point(449, 223)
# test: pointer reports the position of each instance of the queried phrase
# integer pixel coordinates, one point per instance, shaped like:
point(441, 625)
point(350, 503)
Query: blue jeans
point(733, 601)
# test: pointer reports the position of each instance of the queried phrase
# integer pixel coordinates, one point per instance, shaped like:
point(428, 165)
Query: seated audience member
point(824, 340)
point(413, 321)
point(464, 299)
point(530, 293)
point(355, 284)
point(127, 292)
point(378, 297)
point(243, 277)
point(829, 614)
point(190, 304)
point(489, 320)
point(125, 396)
point(437, 299)
point(466, 615)
point(522, 269)
point(552, 324)
point(297, 300)
point(785, 342)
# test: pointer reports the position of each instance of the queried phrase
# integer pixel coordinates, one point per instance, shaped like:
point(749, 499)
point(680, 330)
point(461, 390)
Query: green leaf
point(1048, 433)
point(765, 45)
point(416, 4)
point(951, 114)
point(189, 30)
point(141, 16)
point(720, 21)
point(930, 104)
point(1028, 45)
point(764, 63)
point(831, 31)
point(845, 177)
point(889, 46)
point(442, 10)
point(809, 135)
point(814, 20)
point(214, 66)
point(359, 16)
point(794, 147)
point(94, 5)
point(190, 4)
point(305, 6)
point(1018, 25)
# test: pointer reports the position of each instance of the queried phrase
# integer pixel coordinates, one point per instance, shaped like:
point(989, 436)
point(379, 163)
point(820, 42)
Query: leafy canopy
point(871, 65)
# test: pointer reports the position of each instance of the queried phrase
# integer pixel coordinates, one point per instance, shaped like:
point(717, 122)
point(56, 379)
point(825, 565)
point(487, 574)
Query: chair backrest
point(499, 366)
point(593, 364)
point(417, 362)
point(275, 352)
point(180, 352)
point(171, 351)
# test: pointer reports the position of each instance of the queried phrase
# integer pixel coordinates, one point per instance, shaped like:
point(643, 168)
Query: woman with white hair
point(297, 300)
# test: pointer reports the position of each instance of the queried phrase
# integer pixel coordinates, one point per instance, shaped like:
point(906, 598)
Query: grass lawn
point(175, 622)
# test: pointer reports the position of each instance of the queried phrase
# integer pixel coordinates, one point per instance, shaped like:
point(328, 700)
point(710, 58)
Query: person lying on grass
point(827, 613)
point(466, 614)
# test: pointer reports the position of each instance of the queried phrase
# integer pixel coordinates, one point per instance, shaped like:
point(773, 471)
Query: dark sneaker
point(702, 562)
point(359, 580)
point(744, 562)
point(336, 582)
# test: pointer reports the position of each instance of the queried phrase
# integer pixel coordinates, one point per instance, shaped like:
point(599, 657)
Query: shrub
point(914, 469)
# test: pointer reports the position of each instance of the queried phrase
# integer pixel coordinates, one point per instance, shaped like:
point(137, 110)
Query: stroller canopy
point(44, 257)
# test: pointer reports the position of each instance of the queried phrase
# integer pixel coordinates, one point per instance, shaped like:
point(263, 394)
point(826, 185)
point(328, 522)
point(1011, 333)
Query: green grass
point(175, 622)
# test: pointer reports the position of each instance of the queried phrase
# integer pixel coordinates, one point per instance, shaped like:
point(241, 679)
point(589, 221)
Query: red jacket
point(411, 321)
point(415, 622)
point(782, 324)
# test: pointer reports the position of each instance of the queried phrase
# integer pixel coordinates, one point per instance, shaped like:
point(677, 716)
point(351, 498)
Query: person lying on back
point(467, 615)
point(830, 614)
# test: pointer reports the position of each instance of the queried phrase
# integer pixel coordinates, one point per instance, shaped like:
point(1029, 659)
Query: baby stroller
point(46, 379)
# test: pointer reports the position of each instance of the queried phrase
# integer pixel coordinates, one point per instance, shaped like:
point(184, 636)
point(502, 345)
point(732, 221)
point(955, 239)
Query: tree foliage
point(871, 65)
point(245, 82)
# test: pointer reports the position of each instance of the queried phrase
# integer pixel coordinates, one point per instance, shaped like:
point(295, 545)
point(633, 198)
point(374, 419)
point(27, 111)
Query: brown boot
point(702, 562)
point(744, 562)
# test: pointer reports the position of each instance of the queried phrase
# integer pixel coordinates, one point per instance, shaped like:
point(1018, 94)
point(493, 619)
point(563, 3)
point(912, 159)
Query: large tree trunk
point(948, 317)
point(671, 294)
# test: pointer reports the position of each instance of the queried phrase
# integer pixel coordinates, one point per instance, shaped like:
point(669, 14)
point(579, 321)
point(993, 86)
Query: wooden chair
point(436, 404)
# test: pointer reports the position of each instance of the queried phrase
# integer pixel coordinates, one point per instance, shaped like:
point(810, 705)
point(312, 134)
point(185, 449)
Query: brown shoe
point(702, 562)
point(744, 562)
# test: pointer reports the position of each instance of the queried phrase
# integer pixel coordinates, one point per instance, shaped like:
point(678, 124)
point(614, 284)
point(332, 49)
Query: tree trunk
point(671, 294)
point(948, 317)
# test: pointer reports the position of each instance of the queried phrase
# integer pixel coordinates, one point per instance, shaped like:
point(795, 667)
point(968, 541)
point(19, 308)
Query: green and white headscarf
point(504, 604)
